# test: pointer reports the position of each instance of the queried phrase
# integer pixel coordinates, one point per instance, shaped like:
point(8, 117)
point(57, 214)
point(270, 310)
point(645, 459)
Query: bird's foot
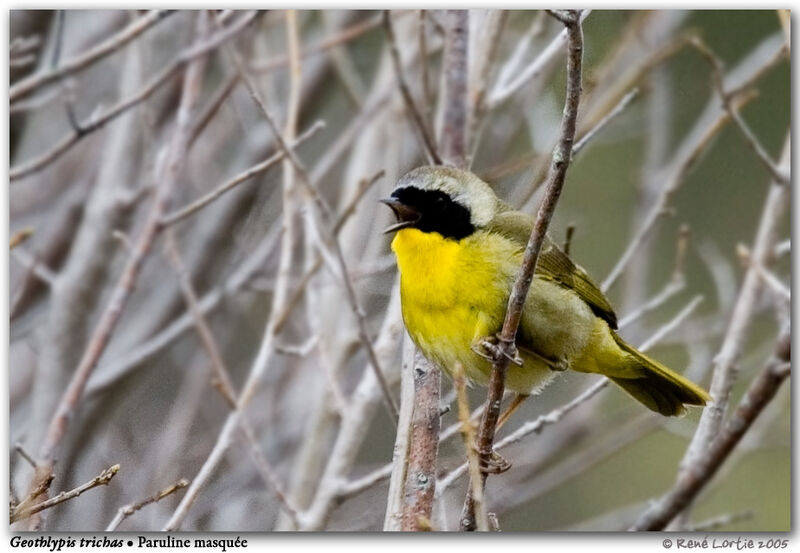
point(494, 464)
point(489, 348)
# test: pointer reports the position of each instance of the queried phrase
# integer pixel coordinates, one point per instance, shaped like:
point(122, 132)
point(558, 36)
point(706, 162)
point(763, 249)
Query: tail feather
point(657, 387)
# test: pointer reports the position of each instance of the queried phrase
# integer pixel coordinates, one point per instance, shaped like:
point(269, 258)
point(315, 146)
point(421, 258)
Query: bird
point(458, 249)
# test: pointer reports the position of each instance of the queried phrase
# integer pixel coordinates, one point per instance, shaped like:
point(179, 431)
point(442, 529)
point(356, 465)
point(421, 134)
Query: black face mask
point(431, 211)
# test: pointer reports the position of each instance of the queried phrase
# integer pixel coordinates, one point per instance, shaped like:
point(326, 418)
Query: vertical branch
point(456, 76)
point(420, 483)
point(424, 447)
point(522, 282)
point(473, 462)
point(399, 466)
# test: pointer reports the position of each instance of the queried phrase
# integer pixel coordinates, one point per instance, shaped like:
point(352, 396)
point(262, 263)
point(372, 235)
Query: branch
point(323, 225)
point(175, 157)
point(420, 484)
point(683, 162)
point(416, 116)
point(725, 370)
point(128, 510)
point(728, 97)
point(540, 423)
point(453, 140)
point(504, 91)
point(82, 60)
point(180, 214)
point(96, 122)
point(695, 477)
point(473, 462)
point(522, 282)
point(101, 479)
point(621, 106)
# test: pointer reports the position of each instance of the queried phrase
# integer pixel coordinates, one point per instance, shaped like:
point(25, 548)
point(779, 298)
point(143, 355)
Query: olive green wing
point(553, 263)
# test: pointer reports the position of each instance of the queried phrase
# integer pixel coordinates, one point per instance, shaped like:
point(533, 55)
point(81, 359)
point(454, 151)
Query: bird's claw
point(489, 348)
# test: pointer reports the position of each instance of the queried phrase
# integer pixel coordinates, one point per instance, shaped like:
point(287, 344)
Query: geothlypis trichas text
point(458, 250)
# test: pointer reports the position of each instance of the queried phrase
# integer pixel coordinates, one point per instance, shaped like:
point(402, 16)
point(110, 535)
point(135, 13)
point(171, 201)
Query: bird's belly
point(446, 336)
point(453, 295)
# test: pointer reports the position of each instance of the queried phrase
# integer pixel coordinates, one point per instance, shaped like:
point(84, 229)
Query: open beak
point(407, 216)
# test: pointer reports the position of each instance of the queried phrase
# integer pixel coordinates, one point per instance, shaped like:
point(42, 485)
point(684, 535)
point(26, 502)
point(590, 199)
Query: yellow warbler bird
point(458, 250)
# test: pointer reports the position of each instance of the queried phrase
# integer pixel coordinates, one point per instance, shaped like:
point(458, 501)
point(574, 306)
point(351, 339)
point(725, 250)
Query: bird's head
point(441, 199)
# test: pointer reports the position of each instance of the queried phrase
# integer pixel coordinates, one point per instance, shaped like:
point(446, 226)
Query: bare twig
point(213, 299)
point(721, 520)
point(347, 34)
point(473, 462)
point(557, 175)
point(778, 288)
point(623, 104)
point(728, 102)
point(176, 155)
point(127, 510)
point(540, 423)
point(19, 448)
point(181, 213)
point(397, 469)
point(695, 477)
point(682, 164)
point(548, 55)
point(82, 60)
point(725, 370)
point(95, 122)
point(419, 121)
point(102, 479)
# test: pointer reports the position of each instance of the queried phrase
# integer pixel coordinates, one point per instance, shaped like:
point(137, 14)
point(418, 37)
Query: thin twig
point(323, 226)
point(503, 91)
point(127, 510)
point(101, 479)
point(96, 122)
point(419, 121)
point(184, 212)
point(778, 288)
point(728, 102)
point(623, 104)
point(681, 165)
point(88, 57)
point(211, 300)
point(19, 448)
point(540, 423)
point(348, 34)
point(725, 369)
point(721, 520)
point(176, 155)
point(695, 477)
point(557, 175)
point(222, 380)
point(473, 462)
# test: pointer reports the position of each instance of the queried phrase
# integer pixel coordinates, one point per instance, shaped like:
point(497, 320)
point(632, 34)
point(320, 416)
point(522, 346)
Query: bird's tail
point(657, 387)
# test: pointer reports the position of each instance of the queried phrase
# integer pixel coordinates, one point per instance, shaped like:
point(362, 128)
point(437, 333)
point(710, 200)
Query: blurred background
point(236, 360)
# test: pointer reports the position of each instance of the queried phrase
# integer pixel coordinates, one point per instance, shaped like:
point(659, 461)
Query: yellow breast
point(453, 292)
